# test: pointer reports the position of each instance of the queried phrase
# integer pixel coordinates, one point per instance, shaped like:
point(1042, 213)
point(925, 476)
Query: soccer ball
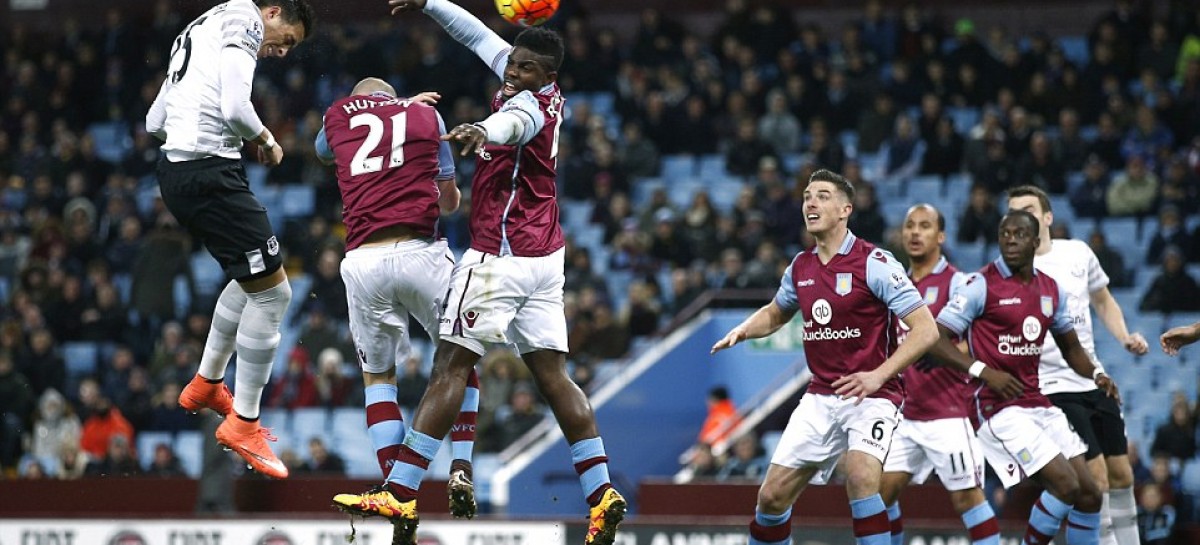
point(527, 12)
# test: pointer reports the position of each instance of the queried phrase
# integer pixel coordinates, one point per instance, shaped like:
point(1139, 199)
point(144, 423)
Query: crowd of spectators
point(87, 254)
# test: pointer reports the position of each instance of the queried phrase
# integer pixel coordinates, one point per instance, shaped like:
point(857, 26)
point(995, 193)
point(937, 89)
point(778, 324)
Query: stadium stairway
point(649, 413)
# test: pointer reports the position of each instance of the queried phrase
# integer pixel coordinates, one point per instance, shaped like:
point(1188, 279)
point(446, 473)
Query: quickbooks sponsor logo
point(830, 334)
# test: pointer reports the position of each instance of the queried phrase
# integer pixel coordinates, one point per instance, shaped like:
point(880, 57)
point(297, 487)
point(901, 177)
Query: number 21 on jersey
point(363, 162)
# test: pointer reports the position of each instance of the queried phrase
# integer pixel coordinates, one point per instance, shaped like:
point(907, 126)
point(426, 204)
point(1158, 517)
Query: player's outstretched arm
point(517, 122)
point(1077, 357)
point(762, 323)
point(465, 28)
point(1114, 320)
point(1179, 337)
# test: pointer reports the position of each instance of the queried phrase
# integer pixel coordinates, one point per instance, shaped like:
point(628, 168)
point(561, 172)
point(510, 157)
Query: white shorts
point(384, 285)
point(506, 300)
point(948, 445)
point(1020, 441)
point(823, 427)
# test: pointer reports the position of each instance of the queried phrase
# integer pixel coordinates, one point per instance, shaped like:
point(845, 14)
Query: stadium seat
point(770, 440)
point(849, 142)
point(644, 188)
point(207, 274)
point(576, 214)
point(112, 140)
point(183, 296)
point(1190, 479)
point(602, 104)
point(684, 190)
point(925, 189)
point(678, 166)
point(297, 201)
point(964, 119)
point(712, 166)
point(1075, 49)
point(309, 422)
point(346, 419)
point(124, 284)
point(189, 448)
point(147, 441)
point(256, 174)
point(724, 194)
point(81, 359)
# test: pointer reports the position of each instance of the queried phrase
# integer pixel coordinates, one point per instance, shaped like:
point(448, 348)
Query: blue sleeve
point(525, 106)
point(966, 304)
point(322, 146)
point(786, 296)
point(1061, 322)
point(445, 154)
point(888, 281)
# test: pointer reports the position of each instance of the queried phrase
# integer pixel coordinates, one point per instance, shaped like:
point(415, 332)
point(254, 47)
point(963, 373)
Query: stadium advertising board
point(680, 534)
point(269, 532)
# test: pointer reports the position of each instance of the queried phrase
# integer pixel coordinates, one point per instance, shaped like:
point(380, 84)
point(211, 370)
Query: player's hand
point(1178, 337)
point(471, 137)
point(858, 385)
point(735, 335)
point(271, 157)
point(1135, 343)
point(428, 98)
point(1002, 383)
point(405, 6)
point(1104, 382)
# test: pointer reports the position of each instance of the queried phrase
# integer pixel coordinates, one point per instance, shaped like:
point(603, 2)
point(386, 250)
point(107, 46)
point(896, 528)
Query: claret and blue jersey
point(848, 306)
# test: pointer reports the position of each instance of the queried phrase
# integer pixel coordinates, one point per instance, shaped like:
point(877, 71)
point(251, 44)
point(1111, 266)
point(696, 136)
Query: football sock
point(894, 518)
point(1123, 509)
point(1045, 517)
point(462, 434)
point(222, 335)
point(591, 464)
point(982, 525)
point(1083, 528)
point(257, 340)
point(871, 526)
point(385, 426)
point(768, 529)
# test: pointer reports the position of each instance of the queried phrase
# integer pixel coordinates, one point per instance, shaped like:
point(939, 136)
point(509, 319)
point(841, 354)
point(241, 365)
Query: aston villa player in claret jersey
point(935, 434)
point(1005, 311)
point(849, 294)
point(396, 176)
point(508, 286)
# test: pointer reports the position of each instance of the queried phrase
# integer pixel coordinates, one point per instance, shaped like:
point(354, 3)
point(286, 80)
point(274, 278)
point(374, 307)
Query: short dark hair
point(1021, 214)
point(843, 185)
point(1031, 191)
point(544, 42)
point(293, 11)
point(719, 393)
point(941, 220)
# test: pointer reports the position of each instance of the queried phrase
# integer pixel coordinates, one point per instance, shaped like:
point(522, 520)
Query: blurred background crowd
point(683, 158)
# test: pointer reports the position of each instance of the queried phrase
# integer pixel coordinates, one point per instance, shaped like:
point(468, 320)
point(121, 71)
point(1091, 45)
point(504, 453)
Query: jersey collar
point(938, 268)
point(847, 243)
point(1005, 272)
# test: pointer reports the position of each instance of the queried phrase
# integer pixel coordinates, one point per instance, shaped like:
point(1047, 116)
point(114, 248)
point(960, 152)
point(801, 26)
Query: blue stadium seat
point(269, 196)
point(792, 162)
point(1190, 479)
point(189, 448)
point(147, 441)
point(643, 188)
point(256, 174)
point(124, 284)
point(590, 237)
point(725, 193)
point(350, 439)
point(207, 274)
point(183, 296)
point(602, 104)
point(576, 214)
point(924, 189)
point(1075, 49)
point(297, 201)
point(712, 166)
point(678, 166)
point(346, 419)
point(1122, 234)
point(684, 190)
point(309, 422)
point(964, 118)
point(849, 141)
point(81, 359)
point(112, 140)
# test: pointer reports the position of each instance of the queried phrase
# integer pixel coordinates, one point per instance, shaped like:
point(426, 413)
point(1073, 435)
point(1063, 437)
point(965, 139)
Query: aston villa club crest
point(1047, 306)
point(931, 294)
point(843, 283)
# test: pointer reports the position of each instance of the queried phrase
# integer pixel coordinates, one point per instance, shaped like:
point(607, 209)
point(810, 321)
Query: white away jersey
point(1074, 266)
point(192, 92)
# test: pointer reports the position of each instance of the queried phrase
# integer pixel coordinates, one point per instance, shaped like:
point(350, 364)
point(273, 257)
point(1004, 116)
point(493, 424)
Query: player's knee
point(965, 500)
point(861, 481)
point(1066, 489)
point(772, 499)
point(1119, 474)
